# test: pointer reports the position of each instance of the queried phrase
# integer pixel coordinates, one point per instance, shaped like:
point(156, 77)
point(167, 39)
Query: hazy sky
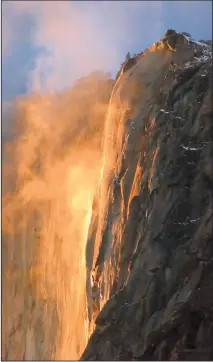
point(49, 44)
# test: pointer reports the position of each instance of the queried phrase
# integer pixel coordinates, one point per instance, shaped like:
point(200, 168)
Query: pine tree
point(128, 56)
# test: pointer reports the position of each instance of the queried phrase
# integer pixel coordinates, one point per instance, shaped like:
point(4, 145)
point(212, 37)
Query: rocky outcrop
point(149, 249)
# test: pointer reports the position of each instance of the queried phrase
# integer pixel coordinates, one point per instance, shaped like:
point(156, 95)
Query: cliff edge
point(149, 250)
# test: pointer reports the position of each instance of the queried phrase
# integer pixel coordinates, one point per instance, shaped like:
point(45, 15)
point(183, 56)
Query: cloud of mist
point(50, 173)
point(74, 38)
point(68, 39)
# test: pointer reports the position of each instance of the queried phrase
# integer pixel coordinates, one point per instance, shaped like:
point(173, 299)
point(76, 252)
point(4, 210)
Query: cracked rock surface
point(150, 247)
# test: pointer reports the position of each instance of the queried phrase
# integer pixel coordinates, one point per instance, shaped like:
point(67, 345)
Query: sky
point(47, 45)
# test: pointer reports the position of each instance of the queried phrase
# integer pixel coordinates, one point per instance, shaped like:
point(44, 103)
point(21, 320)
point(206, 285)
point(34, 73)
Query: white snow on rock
point(206, 51)
point(163, 110)
point(187, 222)
point(191, 148)
point(201, 44)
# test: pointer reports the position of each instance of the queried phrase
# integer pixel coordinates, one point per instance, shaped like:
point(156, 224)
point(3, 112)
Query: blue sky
point(48, 45)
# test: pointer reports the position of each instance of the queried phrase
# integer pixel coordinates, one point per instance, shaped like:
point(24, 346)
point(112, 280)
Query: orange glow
point(55, 162)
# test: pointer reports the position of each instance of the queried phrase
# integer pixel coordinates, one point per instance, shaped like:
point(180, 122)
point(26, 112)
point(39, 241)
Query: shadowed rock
point(154, 265)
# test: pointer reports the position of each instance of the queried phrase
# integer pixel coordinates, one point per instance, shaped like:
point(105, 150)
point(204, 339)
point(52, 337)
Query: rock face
point(149, 250)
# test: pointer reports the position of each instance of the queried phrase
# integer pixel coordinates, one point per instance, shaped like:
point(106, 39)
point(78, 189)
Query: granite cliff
point(149, 249)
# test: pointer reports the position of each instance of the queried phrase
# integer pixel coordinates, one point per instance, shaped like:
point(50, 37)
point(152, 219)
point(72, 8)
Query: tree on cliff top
point(128, 56)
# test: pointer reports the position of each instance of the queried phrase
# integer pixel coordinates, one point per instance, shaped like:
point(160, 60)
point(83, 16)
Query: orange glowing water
point(56, 161)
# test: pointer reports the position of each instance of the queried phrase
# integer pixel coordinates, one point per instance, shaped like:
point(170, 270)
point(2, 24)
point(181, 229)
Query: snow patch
point(206, 51)
point(163, 110)
point(191, 148)
point(186, 222)
point(200, 43)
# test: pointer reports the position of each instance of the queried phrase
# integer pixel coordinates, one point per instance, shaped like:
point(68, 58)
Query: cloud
point(75, 38)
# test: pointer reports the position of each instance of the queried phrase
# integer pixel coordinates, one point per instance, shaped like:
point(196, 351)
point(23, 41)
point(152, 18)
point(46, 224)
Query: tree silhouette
point(128, 56)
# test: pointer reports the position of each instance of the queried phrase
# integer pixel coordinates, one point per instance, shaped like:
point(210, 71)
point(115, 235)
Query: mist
point(73, 38)
point(50, 171)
